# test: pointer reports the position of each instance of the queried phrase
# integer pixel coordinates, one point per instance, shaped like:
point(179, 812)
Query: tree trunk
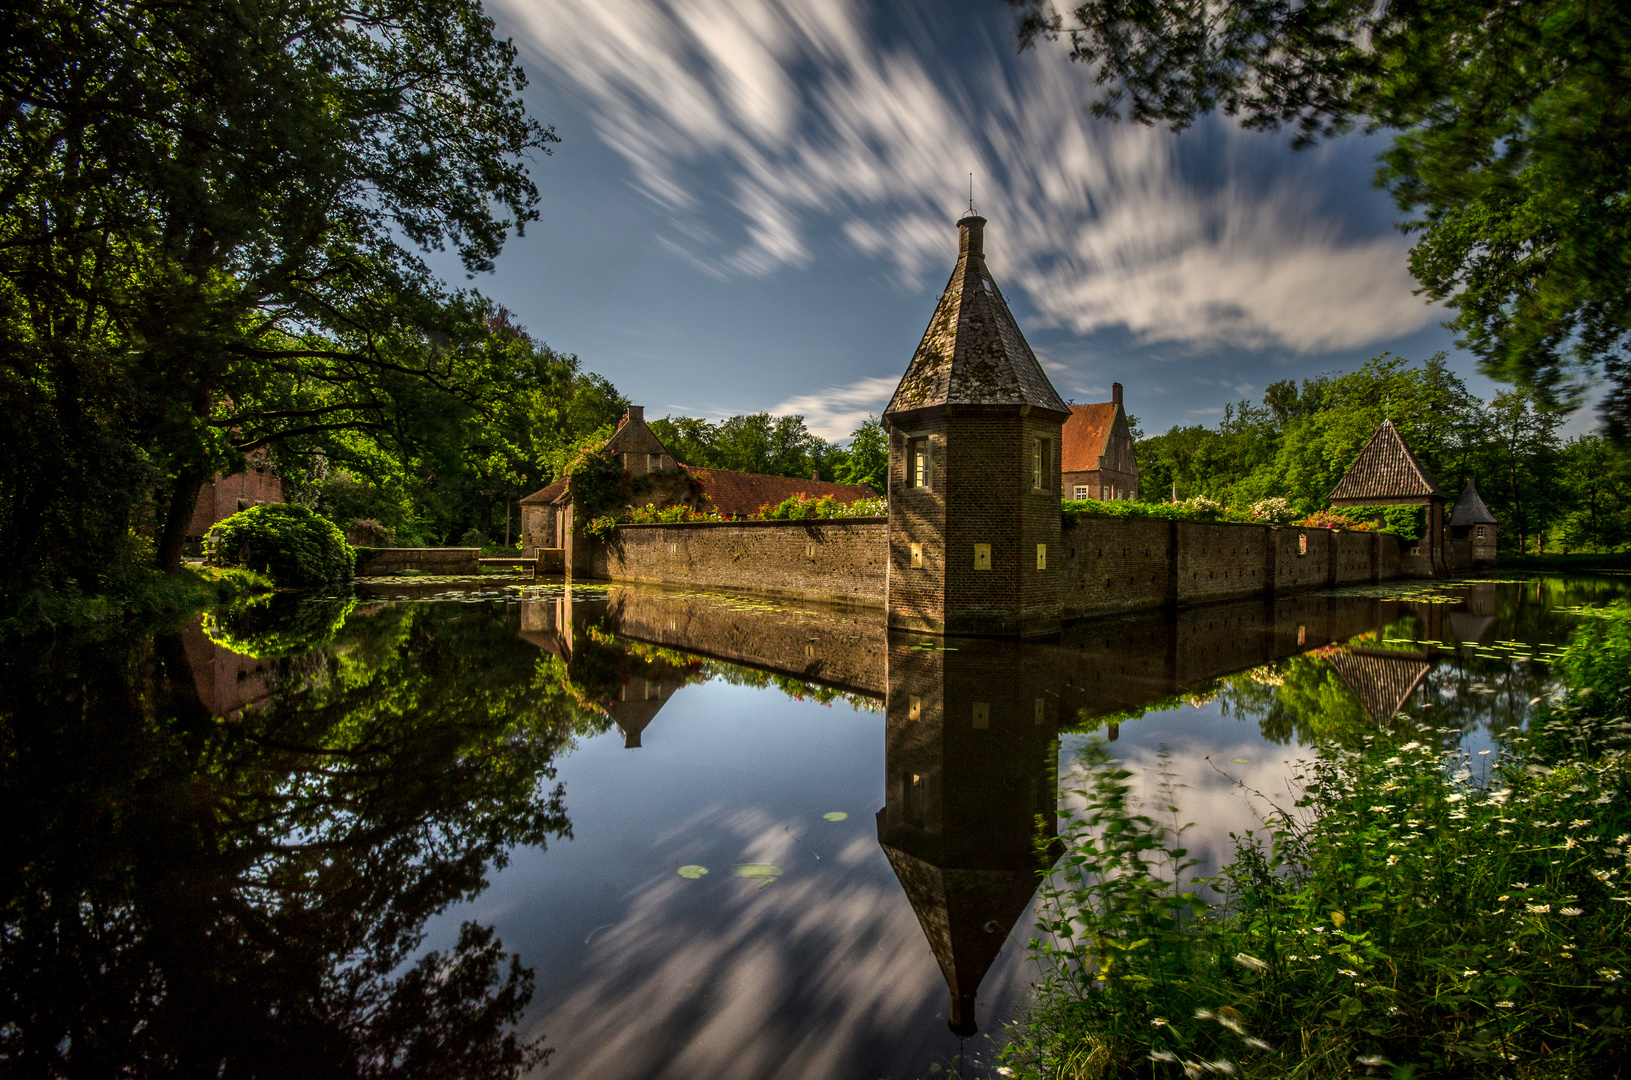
point(183, 498)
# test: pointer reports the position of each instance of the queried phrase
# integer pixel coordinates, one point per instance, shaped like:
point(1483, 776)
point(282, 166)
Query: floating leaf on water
point(766, 872)
point(835, 815)
point(1242, 761)
point(692, 871)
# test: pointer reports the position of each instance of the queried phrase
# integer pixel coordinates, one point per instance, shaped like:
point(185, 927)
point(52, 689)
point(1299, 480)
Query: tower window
point(1041, 464)
point(1480, 532)
point(917, 463)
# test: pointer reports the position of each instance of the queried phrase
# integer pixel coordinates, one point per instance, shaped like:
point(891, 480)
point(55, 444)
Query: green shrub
point(290, 543)
point(1199, 508)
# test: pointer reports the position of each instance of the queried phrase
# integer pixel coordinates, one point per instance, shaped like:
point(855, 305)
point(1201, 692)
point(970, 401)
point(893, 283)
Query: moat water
point(716, 836)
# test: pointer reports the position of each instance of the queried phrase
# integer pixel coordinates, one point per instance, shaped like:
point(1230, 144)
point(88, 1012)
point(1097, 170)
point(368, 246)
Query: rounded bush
point(292, 544)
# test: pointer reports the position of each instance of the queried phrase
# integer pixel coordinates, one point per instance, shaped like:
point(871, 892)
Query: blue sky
point(753, 206)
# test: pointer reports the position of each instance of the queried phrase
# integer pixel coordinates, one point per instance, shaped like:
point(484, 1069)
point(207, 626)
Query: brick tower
point(974, 434)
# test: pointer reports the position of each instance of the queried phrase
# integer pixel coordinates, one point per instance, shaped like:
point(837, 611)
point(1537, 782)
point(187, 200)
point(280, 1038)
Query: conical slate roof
point(1384, 469)
point(1469, 509)
point(973, 352)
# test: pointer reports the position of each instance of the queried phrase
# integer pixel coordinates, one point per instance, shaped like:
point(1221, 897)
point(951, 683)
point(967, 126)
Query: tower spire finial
point(971, 193)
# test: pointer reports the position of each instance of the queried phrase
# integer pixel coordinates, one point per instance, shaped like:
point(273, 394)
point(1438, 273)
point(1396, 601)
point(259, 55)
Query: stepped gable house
point(1097, 460)
point(658, 479)
point(974, 436)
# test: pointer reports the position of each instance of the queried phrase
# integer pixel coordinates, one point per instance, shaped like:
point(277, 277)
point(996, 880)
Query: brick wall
point(1110, 564)
point(839, 561)
point(224, 496)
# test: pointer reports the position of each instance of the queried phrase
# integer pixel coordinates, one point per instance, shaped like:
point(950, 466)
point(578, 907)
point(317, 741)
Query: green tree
point(1595, 479)
point(753, 442)
point(868, 458)
point(1520, 464)
point(206, 237)
point(1509, 142)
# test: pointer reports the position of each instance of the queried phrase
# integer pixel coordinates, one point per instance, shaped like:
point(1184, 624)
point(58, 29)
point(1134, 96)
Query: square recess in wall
point(982, 556)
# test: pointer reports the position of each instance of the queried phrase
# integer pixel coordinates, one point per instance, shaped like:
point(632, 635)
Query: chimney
point(815, 474)
point(971, 236)
point(1115, 393)
point(637, 413)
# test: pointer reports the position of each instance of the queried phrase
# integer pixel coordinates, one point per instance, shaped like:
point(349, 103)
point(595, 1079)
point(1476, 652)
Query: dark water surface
point(347, 835)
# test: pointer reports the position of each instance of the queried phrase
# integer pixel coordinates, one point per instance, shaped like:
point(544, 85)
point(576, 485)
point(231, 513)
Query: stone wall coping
point(756, 522)
point(1242, 524)
point(414, 550)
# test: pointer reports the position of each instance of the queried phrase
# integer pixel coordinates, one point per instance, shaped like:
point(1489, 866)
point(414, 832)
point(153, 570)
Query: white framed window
point(1480, 532)
point(919, 472)
point(1081, 491)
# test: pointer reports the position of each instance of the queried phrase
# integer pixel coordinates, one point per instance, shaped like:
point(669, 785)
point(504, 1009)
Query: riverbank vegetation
point(1546, 491)
point(1419, 911)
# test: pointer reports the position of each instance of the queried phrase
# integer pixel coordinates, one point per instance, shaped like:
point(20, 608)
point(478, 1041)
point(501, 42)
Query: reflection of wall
point(377, 562)
point(837, 647)
point(226, 681)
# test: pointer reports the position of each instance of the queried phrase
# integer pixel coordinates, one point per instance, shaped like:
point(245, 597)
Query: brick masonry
point(837, 561)
point(1096, 565)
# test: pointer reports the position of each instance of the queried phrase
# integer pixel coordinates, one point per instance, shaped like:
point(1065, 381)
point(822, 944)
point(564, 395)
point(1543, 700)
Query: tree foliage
point(290, 543)
point(209, 229)
point(1509, 144)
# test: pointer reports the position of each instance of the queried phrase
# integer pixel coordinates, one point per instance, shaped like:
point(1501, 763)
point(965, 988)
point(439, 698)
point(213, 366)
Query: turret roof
point(973, 352)
point(1384, 469)
point(1469, 509)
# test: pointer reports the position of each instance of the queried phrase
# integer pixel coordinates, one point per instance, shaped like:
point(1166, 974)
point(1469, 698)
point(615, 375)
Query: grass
point(1417, 912)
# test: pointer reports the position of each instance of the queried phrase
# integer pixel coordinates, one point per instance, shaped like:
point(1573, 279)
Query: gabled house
point(1097, 459)
point(547, 515)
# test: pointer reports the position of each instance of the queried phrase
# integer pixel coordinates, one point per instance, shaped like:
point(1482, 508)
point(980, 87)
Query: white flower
point(1350, 974)
point(1579, 823)
point(1159, 1021)
point(1570, 911)
point(1469, 973)
point(1203, 1014)
point(1380, 809)
point(1411, 746)
point(1394, 761)
point(1503, 1004)
point(1457, 797)
point(1609, 974)
point(1392, 860)
point(1225, 1068)
point(1158, 1055)
point(1372, 1059)
point(1537, 909)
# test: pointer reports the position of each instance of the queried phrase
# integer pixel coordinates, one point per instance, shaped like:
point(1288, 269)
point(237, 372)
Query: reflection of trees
point(244, 898)
point(279, 625)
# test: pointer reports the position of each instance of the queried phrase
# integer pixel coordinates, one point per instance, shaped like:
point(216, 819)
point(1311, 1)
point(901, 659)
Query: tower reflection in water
point(970, 814)
point(970, 789)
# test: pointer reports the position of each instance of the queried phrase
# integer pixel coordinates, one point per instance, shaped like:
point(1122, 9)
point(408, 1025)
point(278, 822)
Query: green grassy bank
point(1418, 912)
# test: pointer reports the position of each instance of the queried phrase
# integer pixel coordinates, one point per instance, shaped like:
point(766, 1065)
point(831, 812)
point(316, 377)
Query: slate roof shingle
point(1384, 469)
point(973, 352)
point(1469, 509)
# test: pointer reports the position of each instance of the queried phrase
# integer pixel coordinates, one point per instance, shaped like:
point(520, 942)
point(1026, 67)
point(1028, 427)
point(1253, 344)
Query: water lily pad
point(765, 872)
point(692, 871)
point(835, 815)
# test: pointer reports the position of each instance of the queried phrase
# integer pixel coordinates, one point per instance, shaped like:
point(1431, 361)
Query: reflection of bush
point(270, 628)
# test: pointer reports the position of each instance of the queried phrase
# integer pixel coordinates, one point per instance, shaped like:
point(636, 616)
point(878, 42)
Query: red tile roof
point(1086, 434)
point(737, 494)
point(1384, 469)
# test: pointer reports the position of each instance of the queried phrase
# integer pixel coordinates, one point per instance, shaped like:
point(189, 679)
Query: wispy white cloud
point(838, 410)
point(803, 122)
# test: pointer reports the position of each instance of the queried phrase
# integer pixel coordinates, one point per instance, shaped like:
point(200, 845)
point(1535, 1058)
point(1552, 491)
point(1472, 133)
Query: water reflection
point(246, 834)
